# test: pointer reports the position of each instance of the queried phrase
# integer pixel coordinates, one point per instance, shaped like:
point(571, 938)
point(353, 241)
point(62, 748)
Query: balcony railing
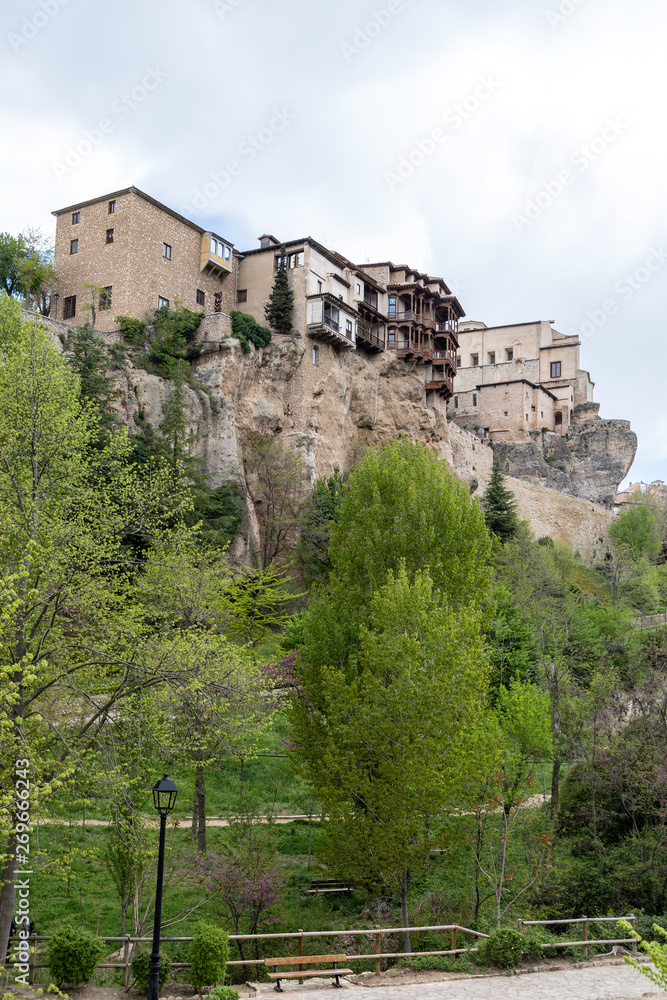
point(449, 356)
point(365, 334)
point(330, 321)
point(371, 301)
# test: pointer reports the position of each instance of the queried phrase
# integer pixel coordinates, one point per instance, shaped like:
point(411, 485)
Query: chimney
point(268, 241)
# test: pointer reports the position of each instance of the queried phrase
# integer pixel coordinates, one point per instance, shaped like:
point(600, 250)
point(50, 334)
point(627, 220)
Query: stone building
point(374, 308)
point(142, 255)
point(515, 379)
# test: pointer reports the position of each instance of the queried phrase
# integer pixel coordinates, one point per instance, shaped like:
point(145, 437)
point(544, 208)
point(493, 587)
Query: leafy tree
point(397, 735)
point(407, 531)
point(11, 250)
point(277, 482)
point(500, 506)
point(522, 730)
point(174, 426)
point(278, 310)
point(69, 652)
point(321, 513)
point(89, 360)
point(402, 503)
point(635, 541)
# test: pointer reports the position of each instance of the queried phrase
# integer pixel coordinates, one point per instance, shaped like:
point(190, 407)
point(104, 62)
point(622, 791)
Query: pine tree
point(499, 506)
point(278, 310)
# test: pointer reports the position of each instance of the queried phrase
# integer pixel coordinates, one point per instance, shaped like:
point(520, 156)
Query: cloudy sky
point(515, 148)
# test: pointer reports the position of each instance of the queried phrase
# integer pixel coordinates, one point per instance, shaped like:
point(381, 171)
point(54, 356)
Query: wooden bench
point(307, 960)
point(328, 885)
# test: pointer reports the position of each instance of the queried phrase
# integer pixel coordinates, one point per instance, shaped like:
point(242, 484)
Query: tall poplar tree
point(392, 673)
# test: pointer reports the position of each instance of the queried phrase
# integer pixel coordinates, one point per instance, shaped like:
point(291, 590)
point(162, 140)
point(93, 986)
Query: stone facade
point(145, 253)
point(512, 380)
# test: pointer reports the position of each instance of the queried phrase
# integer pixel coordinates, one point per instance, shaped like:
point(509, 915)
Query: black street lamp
point(164, 798)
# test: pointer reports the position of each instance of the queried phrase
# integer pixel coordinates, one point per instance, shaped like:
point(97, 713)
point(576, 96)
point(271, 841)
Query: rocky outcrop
point(589, 461)
point(331, 410)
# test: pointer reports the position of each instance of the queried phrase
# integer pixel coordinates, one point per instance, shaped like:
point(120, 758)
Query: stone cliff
point(589, 461)
point(330, 405)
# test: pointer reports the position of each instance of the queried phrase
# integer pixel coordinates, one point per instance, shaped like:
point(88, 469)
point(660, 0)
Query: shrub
point(248, 331)
point(133, 330)
point(442, 963)
point(209, 951)
point(141, 972)
point(223, 993)
point(174, 329)
point(657, 971)
point(73, 955)
point(505, 947)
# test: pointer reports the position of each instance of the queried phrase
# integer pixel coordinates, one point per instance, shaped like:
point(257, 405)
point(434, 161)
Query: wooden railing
point(376, 956)
point(376, 933)
point(585, 921)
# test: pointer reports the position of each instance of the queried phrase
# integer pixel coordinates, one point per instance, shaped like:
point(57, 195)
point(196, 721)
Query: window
point(112, 206)
point(201, 297)
point(458, 360)
point(510, 354)
point(73, 246)
point(162, 303)
point(69, 306)
point(526, 416)
point(507, 395)
point(505, 412)
point(474, 360)
point(242, 295)
point(541, 413)
point(358, 289)
point(348, 328)
point(315, 355)
point(474, 399)
point(492, 357)
point(105, 297)
point(295, 259)
point(391, 335)
point(456, 402)
point(533, 409)
point(76, 218)
point(555, 369)
point(319, 287)
point(166, 251)
point(109, 236)
point(392, 305)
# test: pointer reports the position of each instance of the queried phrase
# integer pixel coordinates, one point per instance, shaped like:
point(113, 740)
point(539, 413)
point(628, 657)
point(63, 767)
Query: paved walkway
point(609, 982)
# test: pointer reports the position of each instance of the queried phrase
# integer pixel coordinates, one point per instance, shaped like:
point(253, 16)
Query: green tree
point(278, 485)
point(89, 360)
point(521, 726)
point(404, 513)
point(398, 734)
point(402, 503)
point(635, 541)
point(73, 649)
point(500, 506)
point(320, 514)
point(278, 310)
point(11, 250)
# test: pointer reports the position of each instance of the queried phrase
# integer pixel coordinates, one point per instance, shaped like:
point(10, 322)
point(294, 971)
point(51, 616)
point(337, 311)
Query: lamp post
point(164, 799)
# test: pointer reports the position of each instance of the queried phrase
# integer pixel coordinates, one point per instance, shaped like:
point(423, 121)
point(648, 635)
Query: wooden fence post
point(301, 951)
point(126, 959)
point(454, 956)
point(32, 959)
point(520, 925)
point(585, 936)
point(634, 943)
point(378, 949)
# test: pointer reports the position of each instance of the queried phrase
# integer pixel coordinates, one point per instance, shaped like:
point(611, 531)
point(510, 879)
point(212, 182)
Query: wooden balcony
point(368, 339)
point(328, 322)
point(446, 357)
point(441, 382)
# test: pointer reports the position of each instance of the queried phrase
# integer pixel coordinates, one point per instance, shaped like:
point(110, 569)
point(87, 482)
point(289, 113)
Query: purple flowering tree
point(245, 884)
